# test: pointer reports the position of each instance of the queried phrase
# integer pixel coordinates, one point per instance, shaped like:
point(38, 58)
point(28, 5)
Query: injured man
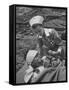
point(44, 69)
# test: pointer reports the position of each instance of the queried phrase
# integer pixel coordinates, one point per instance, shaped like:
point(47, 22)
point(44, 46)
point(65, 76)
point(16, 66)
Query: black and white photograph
point(41, 44)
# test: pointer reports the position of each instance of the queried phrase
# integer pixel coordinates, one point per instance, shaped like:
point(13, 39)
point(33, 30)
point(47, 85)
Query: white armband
point(59, 49)
point(40, 36)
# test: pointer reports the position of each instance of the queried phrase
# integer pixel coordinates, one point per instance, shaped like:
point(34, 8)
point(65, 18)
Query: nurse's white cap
point(31, 55)
point(36, 20)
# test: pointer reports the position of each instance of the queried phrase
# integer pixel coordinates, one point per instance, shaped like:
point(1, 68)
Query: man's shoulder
point(49, 29)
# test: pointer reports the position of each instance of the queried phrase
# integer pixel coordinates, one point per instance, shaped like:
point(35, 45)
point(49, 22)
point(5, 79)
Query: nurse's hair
point(36, 25)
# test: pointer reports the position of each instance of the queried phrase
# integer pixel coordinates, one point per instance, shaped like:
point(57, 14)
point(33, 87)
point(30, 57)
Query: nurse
point(48, 38)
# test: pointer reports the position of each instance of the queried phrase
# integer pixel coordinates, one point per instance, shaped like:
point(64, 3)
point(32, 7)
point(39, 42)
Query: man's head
point(36, 23)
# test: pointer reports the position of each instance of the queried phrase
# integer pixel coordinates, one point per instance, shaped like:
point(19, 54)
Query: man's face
point(38, 29)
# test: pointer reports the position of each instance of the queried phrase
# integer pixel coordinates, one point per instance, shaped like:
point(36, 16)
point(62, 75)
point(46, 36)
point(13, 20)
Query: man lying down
point(48, 69)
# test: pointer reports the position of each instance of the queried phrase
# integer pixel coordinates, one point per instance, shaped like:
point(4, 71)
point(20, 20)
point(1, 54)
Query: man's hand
point(52, 52)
